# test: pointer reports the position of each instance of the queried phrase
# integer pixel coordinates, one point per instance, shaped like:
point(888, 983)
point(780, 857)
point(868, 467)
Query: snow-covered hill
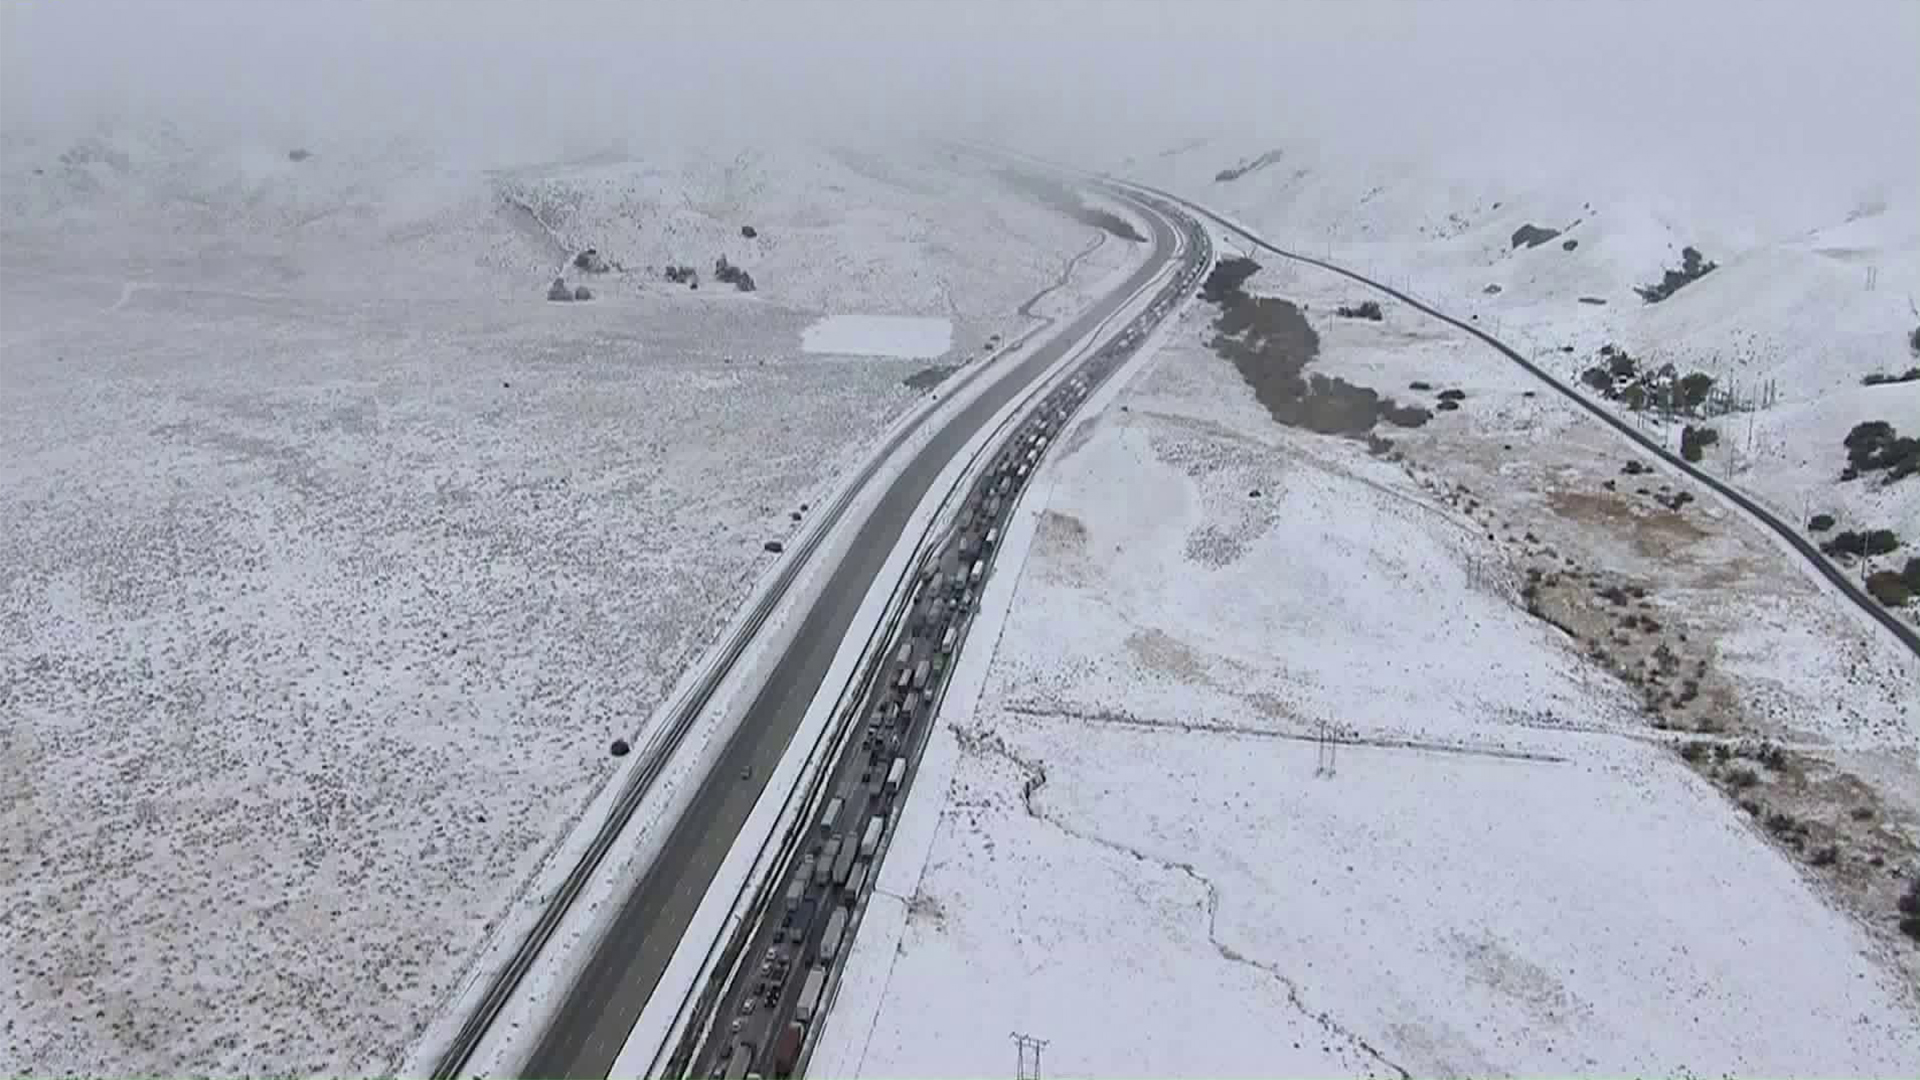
point(336, 557)
point(1815, 287)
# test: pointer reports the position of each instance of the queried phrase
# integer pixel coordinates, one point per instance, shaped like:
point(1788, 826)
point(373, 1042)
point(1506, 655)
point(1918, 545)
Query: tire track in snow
point(984, 743)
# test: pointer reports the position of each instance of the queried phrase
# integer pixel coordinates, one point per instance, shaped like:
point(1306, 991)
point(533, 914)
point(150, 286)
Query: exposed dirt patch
point(929, 377)
point(1158, 651)
point(1655, 531)
point(1835, 826)
point(1270, 343)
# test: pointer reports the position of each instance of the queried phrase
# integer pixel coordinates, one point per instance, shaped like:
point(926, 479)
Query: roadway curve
point(1905, 634)
point(610, 991)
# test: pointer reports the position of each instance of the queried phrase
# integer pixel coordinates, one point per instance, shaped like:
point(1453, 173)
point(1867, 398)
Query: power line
point(1028, 1048)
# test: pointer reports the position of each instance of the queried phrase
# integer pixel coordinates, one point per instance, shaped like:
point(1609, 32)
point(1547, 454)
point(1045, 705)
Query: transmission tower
point(1028, 1048)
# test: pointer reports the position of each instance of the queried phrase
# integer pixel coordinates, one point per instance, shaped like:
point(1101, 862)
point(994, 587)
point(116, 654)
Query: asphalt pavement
point(610, 991)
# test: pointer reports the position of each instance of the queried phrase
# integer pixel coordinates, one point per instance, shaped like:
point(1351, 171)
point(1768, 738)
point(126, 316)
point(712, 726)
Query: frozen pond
point(906, 337)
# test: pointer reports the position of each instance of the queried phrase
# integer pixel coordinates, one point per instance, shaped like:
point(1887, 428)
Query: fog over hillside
point(1829, 92)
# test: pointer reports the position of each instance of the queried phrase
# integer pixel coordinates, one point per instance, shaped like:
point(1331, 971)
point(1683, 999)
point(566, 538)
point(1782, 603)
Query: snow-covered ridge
point(1815, 290)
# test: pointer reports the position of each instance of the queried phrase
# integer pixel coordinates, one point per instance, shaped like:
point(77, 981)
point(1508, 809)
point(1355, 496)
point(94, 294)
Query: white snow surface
point(1818, 273)
point(879, 335)
point(1137, 859)
point(335, 556)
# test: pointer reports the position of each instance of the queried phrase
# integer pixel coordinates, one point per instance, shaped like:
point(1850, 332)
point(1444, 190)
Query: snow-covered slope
point(1815, 288)
point(1137, 847)
point(335, 557)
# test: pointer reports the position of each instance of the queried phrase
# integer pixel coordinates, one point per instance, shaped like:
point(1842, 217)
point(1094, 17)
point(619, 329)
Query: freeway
point(609, 992)
point(806, 915)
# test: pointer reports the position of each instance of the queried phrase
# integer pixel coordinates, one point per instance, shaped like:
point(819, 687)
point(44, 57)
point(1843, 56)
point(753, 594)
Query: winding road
point(1905, 634)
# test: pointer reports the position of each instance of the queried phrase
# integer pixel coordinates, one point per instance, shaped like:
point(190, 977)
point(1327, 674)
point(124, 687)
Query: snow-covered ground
point(336, 556)
point(1815, 290)
point(1509, 870)
point(879, 335)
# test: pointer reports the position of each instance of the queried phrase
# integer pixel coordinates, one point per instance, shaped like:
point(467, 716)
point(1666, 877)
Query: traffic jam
point(771, 1008)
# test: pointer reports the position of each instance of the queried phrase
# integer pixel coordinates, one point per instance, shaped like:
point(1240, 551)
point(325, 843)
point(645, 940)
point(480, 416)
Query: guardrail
point(661, 746)
point(763, 888)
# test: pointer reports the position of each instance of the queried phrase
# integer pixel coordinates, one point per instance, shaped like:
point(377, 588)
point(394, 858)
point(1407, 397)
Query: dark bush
point(749, 231)
point(1771, 755)
point(1569, 245)
point(1597, 378)
point(1453, 395)
point(1876, 542)
point(1418, 385)
point(1694, 389)
point(1909, 903)
point(1491, 290)
point(1365, 309)
point(1820, 523)
point(1913, 341)
point(1825, 855)
point(1695, 440)
point(620, 748)
point(1889, 587)
point(1874, 445)
point(590, 262)
point(1596, 301)
point(300, 154)
point(1742, 777)
point(1880, 378)
point(581, 292)
point(558, 291)
point(1448, 405)
point(1693, 751)
point(1693, 267)
point(1532, 236)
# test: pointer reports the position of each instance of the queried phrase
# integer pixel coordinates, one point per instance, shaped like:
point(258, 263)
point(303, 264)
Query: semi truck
point(856, 885)
point(947, 640)
point(810, 994)
point(739, 1061)
point(870, 840)
point(786, 1048)
point(921, 672)
point(979, 570)
point(823, 867)
point(832, 815)
point(843, 865)
point(897, 774)
point(830, 939)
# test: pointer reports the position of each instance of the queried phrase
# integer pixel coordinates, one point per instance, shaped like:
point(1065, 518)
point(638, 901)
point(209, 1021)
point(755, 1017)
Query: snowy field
point(336, 556)
point(1509, 869)
point(1818, 267)
point(879, 335)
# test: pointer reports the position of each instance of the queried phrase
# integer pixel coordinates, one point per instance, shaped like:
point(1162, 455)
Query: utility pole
point(1326, 746)
point(1028, 1048)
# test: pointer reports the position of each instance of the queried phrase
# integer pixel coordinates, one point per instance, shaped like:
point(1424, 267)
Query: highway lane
point(807, 916)
point(607, 996)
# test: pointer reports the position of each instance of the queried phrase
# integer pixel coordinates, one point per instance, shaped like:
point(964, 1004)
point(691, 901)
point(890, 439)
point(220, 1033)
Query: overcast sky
point(1080, 77)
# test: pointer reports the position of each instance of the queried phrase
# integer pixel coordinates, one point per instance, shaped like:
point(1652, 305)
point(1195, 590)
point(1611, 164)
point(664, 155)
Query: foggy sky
point(1079, 78)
